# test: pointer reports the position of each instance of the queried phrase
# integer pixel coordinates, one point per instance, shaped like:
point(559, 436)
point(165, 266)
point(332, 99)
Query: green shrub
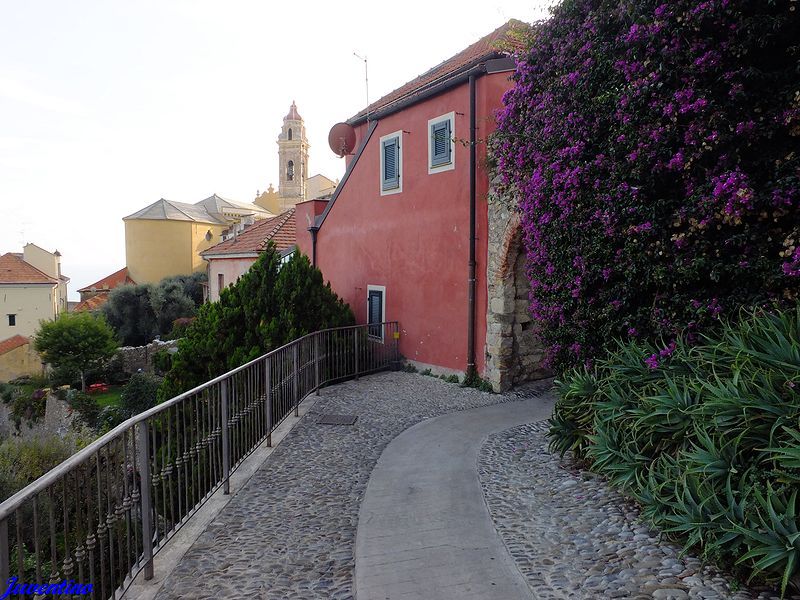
point(269, 306)
point(22, 461)
point(162, 361)
point(86, 407)
point(139, 394)
point(706, 438)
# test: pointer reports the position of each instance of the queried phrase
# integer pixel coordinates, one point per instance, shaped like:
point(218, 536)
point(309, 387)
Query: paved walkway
point(290, 532)
point(424, 530)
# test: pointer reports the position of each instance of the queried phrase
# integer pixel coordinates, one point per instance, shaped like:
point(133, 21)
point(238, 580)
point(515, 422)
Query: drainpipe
point(313, 231)
point(472, 237)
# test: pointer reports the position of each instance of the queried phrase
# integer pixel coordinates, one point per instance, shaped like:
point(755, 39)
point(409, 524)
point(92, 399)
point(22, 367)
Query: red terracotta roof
point(15, 270)
point(12, 343)
point(109, 282)
point(93, 303)
point(484, 48)
point(280, 229)
point(293, 114)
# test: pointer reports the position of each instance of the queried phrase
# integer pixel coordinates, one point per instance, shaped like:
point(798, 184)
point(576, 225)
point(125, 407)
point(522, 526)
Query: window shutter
point(440, 143)
point(391, 164)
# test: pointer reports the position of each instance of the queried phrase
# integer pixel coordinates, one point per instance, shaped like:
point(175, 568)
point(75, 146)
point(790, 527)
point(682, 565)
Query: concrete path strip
point(424, 531)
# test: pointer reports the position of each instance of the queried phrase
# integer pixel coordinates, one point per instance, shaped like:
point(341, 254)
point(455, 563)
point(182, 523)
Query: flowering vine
point(653, 150)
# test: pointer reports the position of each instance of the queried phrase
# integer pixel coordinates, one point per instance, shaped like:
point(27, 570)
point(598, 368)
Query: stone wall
point(57, 421)
point(513, 351)
point(135, 358)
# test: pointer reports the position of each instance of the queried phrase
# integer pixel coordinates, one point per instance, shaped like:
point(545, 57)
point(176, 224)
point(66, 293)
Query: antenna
point(366, 78)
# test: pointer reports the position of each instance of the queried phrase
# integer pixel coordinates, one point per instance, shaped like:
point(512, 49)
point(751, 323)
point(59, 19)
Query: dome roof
point(293, 114)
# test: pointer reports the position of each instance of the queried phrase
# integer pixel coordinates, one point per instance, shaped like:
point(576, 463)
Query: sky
point(108, 105)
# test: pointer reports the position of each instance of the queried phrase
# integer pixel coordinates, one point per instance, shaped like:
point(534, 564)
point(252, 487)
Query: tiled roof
point(217, 205)
point(109, 282)
point(12, 343)
point(15, 270)
point(163, 210)
point(280, 229)
point(93, 303)
point(484, 48)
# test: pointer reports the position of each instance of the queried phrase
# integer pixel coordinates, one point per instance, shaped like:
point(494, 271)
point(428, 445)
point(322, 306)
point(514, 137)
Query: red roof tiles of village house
point(93, 303)
point(485, 48)
point(12, 343)
point(254, 238)
point(109, 282)
point(293, 114)
point(15, 270)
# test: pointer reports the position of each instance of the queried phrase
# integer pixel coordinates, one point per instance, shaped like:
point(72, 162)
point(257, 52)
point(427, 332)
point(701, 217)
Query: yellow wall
point(155, 249)
point(269, 200)
point(30, 304)
point(49, 264)
point(18, 362)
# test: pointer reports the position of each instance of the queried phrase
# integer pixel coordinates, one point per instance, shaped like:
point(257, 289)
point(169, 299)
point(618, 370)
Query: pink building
point(233, 257)
point(409, 234)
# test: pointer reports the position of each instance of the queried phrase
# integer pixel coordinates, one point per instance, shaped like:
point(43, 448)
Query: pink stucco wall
point(230, 268)
point(415, 243)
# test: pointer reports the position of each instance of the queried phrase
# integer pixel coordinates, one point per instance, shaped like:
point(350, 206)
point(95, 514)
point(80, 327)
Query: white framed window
point(391, 175)
point(12, 320)
point(376, 310)
point(441, 143)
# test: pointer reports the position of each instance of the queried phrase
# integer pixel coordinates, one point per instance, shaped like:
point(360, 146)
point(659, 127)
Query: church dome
point(293, 114)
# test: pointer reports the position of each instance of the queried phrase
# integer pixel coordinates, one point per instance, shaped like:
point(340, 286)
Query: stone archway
point(514, 353)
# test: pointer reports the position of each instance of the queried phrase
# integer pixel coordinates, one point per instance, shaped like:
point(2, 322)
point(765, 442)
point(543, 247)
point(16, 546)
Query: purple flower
point(652, 361)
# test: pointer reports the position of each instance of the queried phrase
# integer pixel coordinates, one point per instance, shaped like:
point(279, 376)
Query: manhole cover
point(337, 419)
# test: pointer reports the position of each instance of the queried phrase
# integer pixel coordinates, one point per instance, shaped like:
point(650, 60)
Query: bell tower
point(292, 157)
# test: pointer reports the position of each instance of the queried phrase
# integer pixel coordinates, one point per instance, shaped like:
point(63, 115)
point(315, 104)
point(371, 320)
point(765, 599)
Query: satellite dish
point(342, 139)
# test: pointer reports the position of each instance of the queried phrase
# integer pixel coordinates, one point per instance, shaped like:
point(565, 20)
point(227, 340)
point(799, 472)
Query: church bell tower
point(293, 157)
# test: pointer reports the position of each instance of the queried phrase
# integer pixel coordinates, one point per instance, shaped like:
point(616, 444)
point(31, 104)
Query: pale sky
point(108, 105)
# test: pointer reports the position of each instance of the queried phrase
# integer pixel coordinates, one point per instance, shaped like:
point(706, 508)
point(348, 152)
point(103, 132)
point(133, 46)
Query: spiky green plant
point(705, 438)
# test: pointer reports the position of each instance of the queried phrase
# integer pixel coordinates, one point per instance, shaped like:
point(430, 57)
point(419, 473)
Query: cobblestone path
point(290, 532)
point(574, 537)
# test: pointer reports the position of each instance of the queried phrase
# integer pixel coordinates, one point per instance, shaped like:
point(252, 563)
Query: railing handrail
point(8, 506)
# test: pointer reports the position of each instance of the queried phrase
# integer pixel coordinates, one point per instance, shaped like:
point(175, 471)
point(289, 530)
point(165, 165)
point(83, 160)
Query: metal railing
point(100, 516)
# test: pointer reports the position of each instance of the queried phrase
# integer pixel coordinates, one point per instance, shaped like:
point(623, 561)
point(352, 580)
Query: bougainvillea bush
point(653, 149)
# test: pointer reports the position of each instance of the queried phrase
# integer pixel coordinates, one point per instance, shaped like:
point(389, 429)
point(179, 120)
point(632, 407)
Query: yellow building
point(29, 294)
point(166, 238)
point(18, 358)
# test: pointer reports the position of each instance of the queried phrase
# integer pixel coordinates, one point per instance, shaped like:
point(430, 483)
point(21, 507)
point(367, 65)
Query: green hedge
point(705, 438)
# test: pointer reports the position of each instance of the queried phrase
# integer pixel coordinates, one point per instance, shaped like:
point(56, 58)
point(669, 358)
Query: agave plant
point(708, 443)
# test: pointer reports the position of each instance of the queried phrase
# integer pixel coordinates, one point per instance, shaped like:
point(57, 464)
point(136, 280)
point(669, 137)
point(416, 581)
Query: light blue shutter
point(440, 143)
point(390, 178)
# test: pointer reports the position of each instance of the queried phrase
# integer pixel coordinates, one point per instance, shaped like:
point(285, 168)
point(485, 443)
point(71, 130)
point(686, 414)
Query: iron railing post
point(144, 485)
point(5, 557)
point(268, 400)
point(294, 381)
point(355, 333)
point(396, 335)
point(226, 449)
point(316, 361)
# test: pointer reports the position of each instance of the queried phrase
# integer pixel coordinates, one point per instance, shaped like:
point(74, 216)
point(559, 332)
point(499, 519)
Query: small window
point(441, 147)
point(290, 134)
point(290, 170)
point(375, 310)
point(220, 281)
point(12, 320)
point(391, 164)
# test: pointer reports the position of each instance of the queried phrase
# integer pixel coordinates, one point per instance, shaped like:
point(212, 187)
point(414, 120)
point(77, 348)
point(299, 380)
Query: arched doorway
point(514, 353)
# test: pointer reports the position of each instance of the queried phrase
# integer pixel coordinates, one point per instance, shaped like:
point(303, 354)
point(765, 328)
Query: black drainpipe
point(472, 237)
point(313, 231)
